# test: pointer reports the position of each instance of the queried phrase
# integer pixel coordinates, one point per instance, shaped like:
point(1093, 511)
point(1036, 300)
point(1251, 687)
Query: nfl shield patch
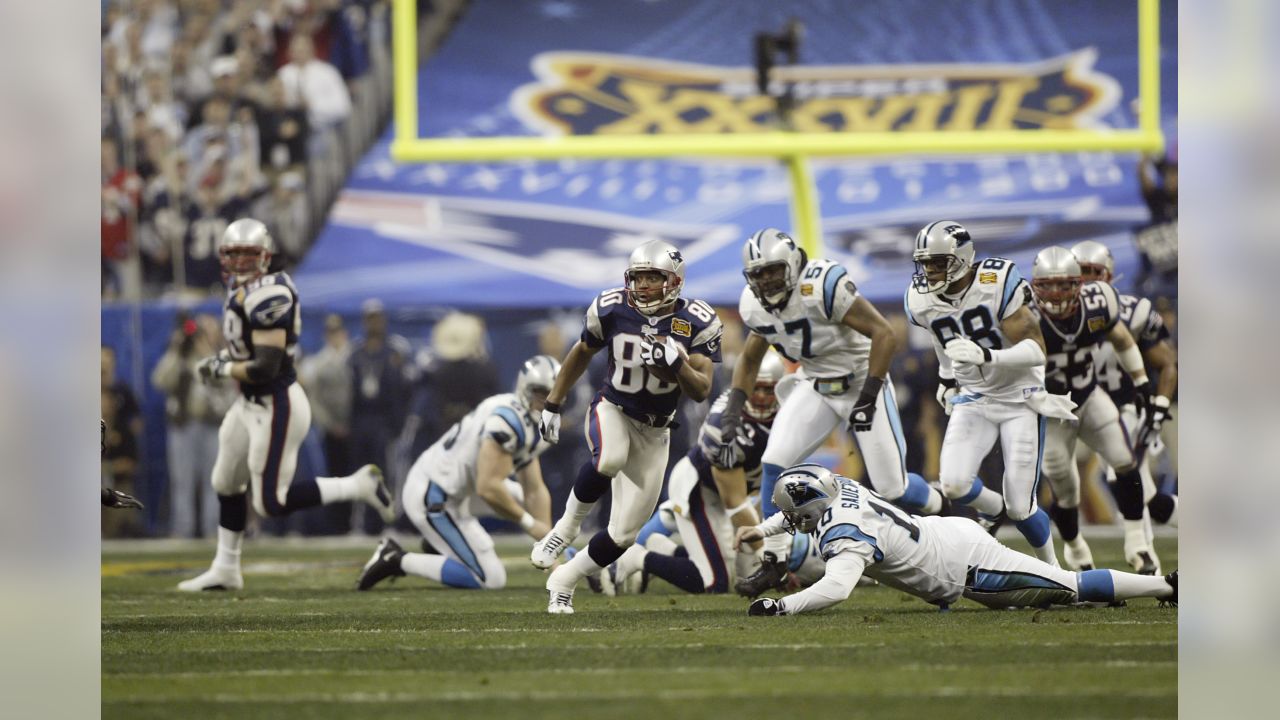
point(806, 289)
point(1096, 324)
point(681, 327)
point(987, 278)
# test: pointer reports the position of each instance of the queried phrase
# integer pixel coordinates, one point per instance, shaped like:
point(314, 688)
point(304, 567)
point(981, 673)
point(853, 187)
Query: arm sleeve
point(505, 428)
point(1024, 354)
point(837, 583)
point(772, 525)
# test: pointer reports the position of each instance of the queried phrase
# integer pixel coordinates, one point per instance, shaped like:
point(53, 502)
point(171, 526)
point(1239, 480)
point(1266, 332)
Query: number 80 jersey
point(612, 323)
point(997, 291)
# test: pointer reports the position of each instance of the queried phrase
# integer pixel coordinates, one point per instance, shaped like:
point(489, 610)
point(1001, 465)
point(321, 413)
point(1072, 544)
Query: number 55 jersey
point(996, 293)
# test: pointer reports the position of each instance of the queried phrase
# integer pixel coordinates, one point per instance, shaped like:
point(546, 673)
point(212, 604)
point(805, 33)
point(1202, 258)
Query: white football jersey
point(997, 291)
point(451, 461)
point(809, 329)
point(905, 552)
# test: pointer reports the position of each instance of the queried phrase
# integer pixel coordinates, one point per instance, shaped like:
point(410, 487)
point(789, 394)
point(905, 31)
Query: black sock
point(1067, 520)
point(1162, 507)
point(1128, 492)
point(301, 495)
point(233, 512)
point(680, 552)
point(603, 550)
point(590, 485)
point(680, 572)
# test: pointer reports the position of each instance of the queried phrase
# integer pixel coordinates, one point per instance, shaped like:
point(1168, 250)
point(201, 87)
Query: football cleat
point(215, 578)
point(1172, 600)
point(1077, 555)
point(772, 575)
point(560, 603)
point(376, 492)
point(385, 563)
point(547, 550)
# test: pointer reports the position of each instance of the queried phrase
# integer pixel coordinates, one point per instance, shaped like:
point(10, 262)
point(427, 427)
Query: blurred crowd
point(217, 109)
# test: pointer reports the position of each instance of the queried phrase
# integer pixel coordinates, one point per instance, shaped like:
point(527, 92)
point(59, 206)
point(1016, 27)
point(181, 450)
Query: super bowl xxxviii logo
point(600, 94)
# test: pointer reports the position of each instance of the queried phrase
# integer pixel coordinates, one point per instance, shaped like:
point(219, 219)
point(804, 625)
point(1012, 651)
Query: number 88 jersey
point(612, 323)
point(996, 293)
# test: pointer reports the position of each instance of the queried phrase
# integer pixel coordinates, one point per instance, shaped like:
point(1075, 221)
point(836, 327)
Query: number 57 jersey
point(996, 293)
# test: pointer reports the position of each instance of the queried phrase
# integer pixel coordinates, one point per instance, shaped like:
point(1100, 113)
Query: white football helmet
point(535, 379)
point(654, 256)
point(245, 251)
point(803, 494)
point(763, 402)
point(938, 241)
point(1095, 260)
point(1056, 281)
point(763, 253)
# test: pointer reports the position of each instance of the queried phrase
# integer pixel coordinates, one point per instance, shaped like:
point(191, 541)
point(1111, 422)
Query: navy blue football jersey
point(268, 303)
point(1072, 343)
point(1148, 328)
point(612, 323)
point(753, 435)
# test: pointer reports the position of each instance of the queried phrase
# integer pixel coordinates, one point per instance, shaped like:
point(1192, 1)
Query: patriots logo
point(802, 493)
point(676, 257)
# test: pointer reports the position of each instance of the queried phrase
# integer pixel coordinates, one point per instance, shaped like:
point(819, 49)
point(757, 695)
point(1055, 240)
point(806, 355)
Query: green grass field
point(299, 642)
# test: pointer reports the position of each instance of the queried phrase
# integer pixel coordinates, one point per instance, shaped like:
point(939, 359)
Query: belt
point(657, 421)
point(833, 386)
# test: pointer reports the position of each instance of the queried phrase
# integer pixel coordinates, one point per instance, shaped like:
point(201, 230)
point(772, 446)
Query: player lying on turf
point(937, 559)
point(465, 470)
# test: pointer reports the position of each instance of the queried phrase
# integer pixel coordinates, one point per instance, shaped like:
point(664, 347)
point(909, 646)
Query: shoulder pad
point(268, 306)
point(505, 427)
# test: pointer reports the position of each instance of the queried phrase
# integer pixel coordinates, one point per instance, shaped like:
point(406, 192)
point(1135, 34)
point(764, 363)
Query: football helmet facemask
point(772, 263)
point(943, 254)
point(643, 293)
point(1056, 281)
point(245, 251)
point(803, 494)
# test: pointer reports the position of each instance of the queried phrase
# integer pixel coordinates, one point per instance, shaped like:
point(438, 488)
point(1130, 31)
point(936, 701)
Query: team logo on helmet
point(802, 493)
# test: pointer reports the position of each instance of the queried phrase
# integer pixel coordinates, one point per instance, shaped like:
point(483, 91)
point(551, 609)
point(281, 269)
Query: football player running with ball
point(260, 435)
point(991, 360)
point(813, 314)
point(659, 346)
point(937, 559)
point(471, 462)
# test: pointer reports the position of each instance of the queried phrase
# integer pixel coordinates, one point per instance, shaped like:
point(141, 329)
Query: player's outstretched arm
point(837, 584)
point(1026, 344)
point(744, 379)
point(575, 363)
point(537, 501)
point(694, 377)
point(732, 484)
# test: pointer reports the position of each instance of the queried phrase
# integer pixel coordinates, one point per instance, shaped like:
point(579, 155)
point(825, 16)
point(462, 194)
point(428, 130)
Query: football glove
point(964, 350)
point(664, 354)
point(729, 454)
point(116, 499)
point(1142, 396)
point(731, 418)
point(550, 425)
point(947, 389)
point(764, 606)
point(214, 368)
point(864, 410)
point(1157, 413)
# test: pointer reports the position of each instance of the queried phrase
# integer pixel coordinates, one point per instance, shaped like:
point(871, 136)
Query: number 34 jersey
point(1072, 343)
point(612, 323)
point(996, 293)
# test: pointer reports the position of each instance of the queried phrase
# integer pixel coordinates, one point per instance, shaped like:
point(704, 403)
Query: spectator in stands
point(318, 87)
point(285, 212)
point(327, 377)
point(282, 131)
point(165, 208)
point(121, 191)
point(379, 390)
point(120, 456)
point(193, 413)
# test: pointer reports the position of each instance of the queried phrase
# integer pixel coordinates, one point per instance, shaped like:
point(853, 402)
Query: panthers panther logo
point(802, 493)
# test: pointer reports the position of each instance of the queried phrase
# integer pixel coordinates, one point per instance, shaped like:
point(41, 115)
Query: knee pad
point(956, 488)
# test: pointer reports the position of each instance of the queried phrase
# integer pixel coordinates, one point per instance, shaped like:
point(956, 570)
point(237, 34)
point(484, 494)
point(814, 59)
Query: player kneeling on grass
point(937, 559)
point(467, 468)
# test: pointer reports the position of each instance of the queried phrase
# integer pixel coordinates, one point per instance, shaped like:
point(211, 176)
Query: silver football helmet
point(772, 263)
point(803, 494)
point(245, 251)
point(943, 254)
point(654, 256)
point(1095, 260)
point(763, 403)
point(1056, 281)
point(535, 379)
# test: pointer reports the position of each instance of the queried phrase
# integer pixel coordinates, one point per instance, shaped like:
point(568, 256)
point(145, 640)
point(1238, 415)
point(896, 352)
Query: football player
point(659, 346)
point(937, 559)
point(260, 436)
point(710, 495)
point(1076, 319)
point(991, 366)
point(472, 461)
point(812, 313)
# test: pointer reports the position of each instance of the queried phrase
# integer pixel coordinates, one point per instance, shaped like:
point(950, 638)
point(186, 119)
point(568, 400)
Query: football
point(663, 373)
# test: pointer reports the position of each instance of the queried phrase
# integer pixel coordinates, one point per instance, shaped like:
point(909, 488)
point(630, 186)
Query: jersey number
point(233, 331)
point(898, 517)
point(978, 327)
point(1076, 366)
point(629, 373)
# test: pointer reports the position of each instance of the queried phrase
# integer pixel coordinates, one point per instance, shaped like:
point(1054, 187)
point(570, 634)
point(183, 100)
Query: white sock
point(779, 545)
point(566, 577)
point(423, 565)
point(1134, 533)
point(988, 502)
point(934, 505)
point(575, 511)
point(1130, 585)
point(1147, 529)
point(1173, 516)
point(632, 561)
point(1078, 544)
point(661, 544)
point(1046, 554)
point(338, 489)
point(228, 554)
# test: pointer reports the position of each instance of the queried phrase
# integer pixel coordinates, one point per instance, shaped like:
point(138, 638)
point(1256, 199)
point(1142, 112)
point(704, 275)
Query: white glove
point(213, 368)
point(944, 395)
point(964, 350)
point(550, 426)
point(665, 354)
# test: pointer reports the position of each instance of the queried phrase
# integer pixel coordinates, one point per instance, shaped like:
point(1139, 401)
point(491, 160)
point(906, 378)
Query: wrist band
point(746, 505)
point(551, 407)
point(526, 521)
